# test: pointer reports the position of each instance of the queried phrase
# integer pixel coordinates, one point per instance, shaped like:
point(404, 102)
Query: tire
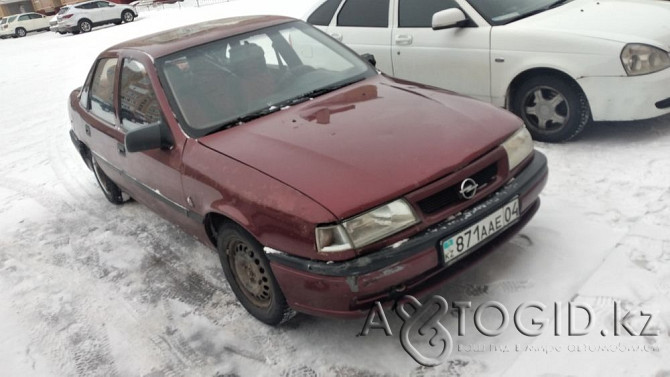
point(85, 26)
point(111, 191)
point(62, 33)
point(20, 32)
point(554, 109)
point(127, 16)
point(249, 274)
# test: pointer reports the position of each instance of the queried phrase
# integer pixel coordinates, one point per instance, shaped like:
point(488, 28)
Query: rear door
point(101, 133)
point(107, 11)
point(91, 11)
point(457, 59)
point(38, 22)
point(24, 22)
point(365, 26)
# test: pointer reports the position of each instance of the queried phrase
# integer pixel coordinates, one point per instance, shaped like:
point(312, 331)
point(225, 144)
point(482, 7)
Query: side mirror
point(449, 18)
point(147, 138)
point(370, 59)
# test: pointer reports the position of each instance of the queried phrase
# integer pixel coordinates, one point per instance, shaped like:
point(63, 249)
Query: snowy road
point(91, 289)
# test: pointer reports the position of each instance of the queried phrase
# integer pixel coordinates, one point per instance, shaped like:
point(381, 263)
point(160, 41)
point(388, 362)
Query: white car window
point(419, 13)
point(364, 13)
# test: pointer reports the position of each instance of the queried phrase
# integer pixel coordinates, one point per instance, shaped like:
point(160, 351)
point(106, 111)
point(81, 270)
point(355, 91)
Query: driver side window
point(139, 106)
point(102, 90)
point(419, 13)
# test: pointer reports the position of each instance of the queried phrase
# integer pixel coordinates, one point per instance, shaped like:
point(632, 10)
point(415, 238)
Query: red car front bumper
point(350, 288)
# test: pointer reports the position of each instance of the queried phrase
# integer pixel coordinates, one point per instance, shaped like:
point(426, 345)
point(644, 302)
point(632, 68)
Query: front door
point(456, 59)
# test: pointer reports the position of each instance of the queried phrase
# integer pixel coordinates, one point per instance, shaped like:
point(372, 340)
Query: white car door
point(38, 21)
point(108, 10)
point(24, 22)
point(457, 59)
point(94, 12)
point(365, 26)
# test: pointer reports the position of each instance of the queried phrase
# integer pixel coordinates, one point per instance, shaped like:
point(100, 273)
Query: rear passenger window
point(419, 13)
point(139, 106)
point(364, 13)
point(102, 90)
point(324, 13)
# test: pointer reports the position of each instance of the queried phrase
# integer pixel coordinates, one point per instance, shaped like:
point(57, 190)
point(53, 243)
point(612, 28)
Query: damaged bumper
point(349, 288)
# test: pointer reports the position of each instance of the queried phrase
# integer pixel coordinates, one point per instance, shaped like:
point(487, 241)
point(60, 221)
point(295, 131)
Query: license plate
point(461, 243)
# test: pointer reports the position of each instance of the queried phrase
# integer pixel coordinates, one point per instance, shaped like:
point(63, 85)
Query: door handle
point(403, 40)
point(337, 36)
point(121, 148)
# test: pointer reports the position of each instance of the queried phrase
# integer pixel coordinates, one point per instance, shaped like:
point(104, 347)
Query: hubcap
point(250, 275)
point(545, 108)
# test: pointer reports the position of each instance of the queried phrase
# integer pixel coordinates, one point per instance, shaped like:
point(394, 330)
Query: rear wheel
point(248, 271)
point(112, 192)
point(127, 16)
point(20, 32)
point(85, 26)
point(554, 109)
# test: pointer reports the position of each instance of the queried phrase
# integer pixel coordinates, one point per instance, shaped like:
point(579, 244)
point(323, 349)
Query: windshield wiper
point(536, 11)
point(245, 118)
point(315, 93)
point(280, 105)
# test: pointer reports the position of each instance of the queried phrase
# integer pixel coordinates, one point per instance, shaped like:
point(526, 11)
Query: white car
point(19, 25)
point(556, 63)
point(83, 17)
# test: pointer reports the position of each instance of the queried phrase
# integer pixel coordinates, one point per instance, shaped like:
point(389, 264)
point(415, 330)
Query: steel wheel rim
point(545, 109)
point(252, 278)
point(102, 179)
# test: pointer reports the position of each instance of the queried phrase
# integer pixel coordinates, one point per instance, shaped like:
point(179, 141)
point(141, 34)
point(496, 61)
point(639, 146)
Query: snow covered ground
point(91, 289)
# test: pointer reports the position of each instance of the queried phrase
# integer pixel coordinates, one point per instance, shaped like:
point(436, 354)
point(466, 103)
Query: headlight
point(639, 59)
point(367, 228)
point(518, 147)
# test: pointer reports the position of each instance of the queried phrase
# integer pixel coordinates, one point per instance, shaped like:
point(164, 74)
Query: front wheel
point(20, 32)
point(553, 109)
point(127, 16)
point(248, 271)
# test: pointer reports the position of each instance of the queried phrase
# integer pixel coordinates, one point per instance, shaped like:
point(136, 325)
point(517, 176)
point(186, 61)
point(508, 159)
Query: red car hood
point(368, 143)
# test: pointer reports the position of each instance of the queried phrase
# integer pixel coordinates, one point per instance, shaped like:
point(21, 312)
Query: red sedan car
point(323, 184)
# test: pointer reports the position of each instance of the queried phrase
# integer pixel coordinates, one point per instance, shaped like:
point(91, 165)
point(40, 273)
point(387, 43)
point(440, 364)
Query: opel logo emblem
point(468, 188)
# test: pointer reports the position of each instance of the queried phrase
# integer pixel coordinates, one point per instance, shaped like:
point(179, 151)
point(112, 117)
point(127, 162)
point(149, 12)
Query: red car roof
point(173, 40)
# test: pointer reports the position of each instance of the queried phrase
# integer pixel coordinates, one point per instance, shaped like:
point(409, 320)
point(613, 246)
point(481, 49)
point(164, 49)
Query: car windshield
point(231, 81)
point(63, 10)
point(500, 12)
